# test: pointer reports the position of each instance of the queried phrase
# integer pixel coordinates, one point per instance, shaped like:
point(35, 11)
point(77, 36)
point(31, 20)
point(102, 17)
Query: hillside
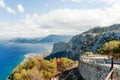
point(99, 30)
point(91, 41)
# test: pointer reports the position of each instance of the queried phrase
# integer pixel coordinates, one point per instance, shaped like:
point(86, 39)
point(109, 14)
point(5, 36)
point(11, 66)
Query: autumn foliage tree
point(40, 69)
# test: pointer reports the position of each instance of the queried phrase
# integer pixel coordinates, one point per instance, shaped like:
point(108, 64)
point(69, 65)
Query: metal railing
point(109, 74)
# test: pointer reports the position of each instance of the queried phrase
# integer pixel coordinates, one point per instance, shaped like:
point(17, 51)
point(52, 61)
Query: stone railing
point(92, 60)
point(98, 68)
point(115, 61)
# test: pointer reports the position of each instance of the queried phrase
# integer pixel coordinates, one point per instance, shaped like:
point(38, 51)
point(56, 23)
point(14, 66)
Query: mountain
point(56, 38)
point(47, 39)
point(99, 30)
point(25, 40)
point(90, 40)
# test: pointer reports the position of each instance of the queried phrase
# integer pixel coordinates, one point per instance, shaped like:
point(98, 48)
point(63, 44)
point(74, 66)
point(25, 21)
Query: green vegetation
point(40, 69)
point(88, 53)
point(111, 48)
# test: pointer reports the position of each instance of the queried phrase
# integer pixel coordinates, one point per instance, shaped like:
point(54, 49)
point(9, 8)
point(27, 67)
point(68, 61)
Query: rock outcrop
point(59, 47)
point(69, 75)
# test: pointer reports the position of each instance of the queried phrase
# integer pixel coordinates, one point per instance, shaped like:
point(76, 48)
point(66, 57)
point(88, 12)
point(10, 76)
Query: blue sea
point(12, 54)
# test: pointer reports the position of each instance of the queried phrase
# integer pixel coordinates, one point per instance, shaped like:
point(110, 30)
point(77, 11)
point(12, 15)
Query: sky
point(38, 18)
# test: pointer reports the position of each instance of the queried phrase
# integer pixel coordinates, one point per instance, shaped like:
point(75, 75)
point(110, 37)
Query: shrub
point(87, 53)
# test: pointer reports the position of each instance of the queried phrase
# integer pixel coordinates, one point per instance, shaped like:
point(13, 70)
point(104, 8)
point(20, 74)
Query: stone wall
point(91, 71)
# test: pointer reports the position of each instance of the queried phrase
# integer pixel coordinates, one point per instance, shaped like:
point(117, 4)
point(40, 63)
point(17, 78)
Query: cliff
point(88, 41)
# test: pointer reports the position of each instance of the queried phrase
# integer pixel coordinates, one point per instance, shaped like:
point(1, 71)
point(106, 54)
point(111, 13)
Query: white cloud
point(2, 4)
point(63, 18)
point(111, 1)
point(20, 8)
point(74, 19)
point(62, 21)
point(104, 1)
point(9, 30)
point(76, 1)
point(10, 10)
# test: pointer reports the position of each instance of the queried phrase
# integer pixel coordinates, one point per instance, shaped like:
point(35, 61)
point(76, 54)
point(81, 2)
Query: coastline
point(36, 55)
point(30, 56)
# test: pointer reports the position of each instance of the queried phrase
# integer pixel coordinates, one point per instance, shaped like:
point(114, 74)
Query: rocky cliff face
point(71, 75)
point(59, 47)
point(88, 41)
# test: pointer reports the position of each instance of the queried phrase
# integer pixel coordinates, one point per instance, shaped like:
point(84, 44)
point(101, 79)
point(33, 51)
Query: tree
point(63, 64)
point(111, 48)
